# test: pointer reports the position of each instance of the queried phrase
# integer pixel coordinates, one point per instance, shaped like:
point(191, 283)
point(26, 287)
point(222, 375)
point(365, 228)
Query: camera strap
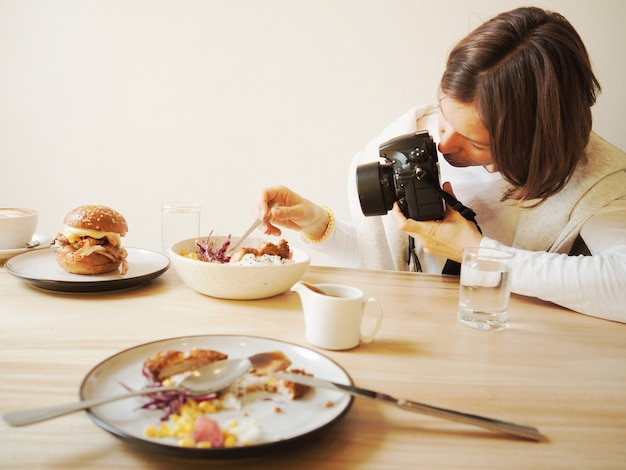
point(458, 206)
point(451, 267)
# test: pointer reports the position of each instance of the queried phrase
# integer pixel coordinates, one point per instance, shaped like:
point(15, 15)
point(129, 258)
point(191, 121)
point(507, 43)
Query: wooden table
point(560, 371)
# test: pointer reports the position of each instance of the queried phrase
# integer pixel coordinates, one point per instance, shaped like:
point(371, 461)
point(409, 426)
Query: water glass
point(180, 221)
point(485, 288)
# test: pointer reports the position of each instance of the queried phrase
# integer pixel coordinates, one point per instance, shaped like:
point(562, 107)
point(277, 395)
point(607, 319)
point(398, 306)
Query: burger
point(90, 242)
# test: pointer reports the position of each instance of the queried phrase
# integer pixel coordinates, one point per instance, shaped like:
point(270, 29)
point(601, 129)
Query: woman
point(514, 129)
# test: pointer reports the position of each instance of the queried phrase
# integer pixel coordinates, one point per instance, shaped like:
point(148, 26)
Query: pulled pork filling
point(86, 246)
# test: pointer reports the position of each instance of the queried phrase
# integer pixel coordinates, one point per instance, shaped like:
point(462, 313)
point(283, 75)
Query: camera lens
point(375, 186)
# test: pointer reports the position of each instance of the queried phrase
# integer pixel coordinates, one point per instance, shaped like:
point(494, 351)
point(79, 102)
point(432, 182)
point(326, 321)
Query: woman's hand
point(445, 237)
point(280, 206)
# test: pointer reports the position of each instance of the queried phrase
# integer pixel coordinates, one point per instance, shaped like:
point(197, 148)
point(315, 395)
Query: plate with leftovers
point(38, 241)
point(256, 414)
point(41, 269)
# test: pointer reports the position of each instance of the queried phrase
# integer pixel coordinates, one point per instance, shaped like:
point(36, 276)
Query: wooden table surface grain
point(560, 371)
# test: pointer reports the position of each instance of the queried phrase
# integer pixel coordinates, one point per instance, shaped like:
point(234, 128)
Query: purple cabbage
point(207, 251)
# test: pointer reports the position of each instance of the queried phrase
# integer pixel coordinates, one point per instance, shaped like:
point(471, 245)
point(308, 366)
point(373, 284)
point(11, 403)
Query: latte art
point(14, 212)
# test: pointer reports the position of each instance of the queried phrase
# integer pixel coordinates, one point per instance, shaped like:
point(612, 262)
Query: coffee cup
point(17, 227)
point(334, 319)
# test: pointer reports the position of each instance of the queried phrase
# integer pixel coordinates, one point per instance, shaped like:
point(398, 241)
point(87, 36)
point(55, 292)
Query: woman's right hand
point(280, 206)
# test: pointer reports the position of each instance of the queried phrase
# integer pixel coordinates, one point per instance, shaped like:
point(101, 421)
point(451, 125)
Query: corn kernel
point(208, 407)
point(184, 428)
point(190, 410)
point(186, 442)
point(230, 441)
point(151, 431)
point(204, 445)
point(164, 430)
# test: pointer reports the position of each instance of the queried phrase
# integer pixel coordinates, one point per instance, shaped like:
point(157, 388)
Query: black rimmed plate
point(296, 420)
point(41, 269)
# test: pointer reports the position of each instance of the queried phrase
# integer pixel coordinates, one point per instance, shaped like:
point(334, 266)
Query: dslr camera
point(409, 175)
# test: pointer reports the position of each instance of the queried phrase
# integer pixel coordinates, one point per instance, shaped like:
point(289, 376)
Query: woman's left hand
point(445, 237)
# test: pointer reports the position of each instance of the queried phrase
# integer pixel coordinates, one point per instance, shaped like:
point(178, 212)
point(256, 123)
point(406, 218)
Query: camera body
point(410, 175)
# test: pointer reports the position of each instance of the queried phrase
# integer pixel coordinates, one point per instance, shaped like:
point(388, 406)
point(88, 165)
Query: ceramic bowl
point(236, 282)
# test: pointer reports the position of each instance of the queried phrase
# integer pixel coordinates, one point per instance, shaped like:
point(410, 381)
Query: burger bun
point(96, 217)
point(95, 263)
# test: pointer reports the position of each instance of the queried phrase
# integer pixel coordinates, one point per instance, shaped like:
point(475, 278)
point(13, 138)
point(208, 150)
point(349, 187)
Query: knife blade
point(520, 430)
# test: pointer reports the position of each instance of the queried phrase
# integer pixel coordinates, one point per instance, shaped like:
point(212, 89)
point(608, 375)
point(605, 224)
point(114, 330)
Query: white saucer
point(44, 242)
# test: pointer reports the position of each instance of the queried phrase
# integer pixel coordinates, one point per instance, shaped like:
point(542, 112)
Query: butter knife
point(527, 432)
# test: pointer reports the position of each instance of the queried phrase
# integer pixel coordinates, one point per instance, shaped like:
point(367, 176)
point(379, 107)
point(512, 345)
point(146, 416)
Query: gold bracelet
point(329, 228)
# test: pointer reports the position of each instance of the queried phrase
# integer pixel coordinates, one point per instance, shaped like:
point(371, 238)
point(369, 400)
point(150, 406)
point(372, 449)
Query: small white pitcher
point(334, 320)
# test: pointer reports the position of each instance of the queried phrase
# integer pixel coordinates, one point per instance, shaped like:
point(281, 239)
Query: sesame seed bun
point(95, 217)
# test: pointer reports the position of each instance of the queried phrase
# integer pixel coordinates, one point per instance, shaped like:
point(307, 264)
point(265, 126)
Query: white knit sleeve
point(341, 245)
point(594, 285)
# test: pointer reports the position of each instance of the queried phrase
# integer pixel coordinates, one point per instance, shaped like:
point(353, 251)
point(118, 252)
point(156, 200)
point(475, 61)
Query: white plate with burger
point(88, 256)
point(41, 269)
point(278, 420)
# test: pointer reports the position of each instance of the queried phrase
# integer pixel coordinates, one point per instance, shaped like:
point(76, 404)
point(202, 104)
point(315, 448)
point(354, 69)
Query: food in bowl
point(266, 253)
point(240, 280)
point(90, 241)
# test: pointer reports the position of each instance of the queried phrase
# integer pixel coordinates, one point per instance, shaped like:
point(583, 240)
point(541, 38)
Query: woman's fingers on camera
point(425, 230)
point(447, 187)
point(400, 219)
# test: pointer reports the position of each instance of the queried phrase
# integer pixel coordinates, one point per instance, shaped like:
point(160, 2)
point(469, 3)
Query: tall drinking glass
point(180, 220)
point(485, 288)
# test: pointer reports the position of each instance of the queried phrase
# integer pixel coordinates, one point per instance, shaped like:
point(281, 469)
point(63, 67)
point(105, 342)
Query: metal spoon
point(33, 244)
point(254, 225)
point(258, 221)
point(207, 379)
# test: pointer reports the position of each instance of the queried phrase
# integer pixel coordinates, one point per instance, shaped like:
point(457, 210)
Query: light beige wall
point(130, 102)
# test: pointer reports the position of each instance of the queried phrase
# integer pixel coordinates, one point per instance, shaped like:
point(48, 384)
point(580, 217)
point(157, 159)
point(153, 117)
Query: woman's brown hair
point(528, 74)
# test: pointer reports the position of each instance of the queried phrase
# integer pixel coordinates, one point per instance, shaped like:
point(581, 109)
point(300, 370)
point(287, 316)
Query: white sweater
point(541, 238)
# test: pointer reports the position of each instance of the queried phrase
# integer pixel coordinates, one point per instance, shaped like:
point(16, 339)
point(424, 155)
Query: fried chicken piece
point(291, 389)
point(165, 364)
point(282, 249)
point(264, 364)
point(266, 248)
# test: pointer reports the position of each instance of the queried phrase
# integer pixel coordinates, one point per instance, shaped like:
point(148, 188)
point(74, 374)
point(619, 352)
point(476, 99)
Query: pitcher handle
point(379, 319)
